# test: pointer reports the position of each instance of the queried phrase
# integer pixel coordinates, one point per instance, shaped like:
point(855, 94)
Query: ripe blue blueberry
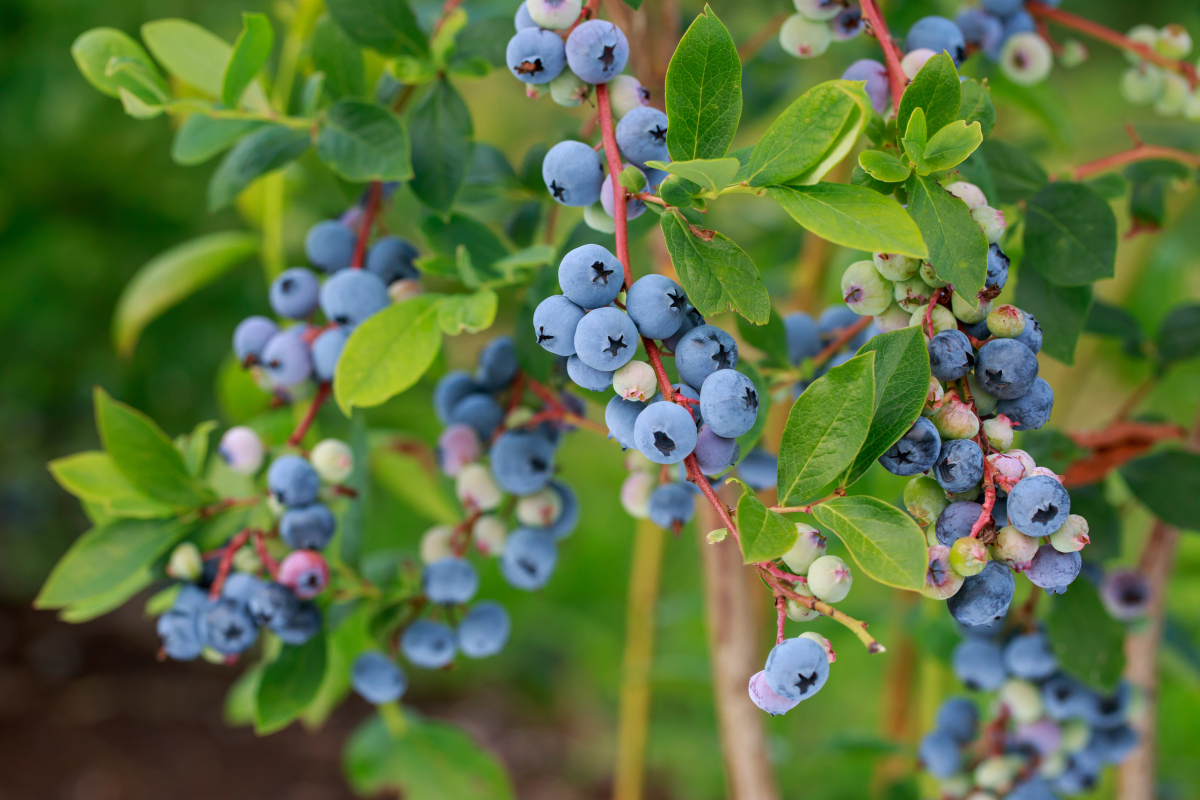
point(498, 365)
point(1003, 8)
point(535, 56)
point(327, 351)
point(916, 451)
point(528, 560)
point(1005, 368)
point(250, 338)
point(803, 338)
point(1031, 337)
point(191, 598)
point(1053, 570)
point(981, 30)
point(1031, 410)
point(1032, 789)
point(1111, 710)
point(671, 504)
point(573, 172)
point(293, 481)
point(997, 267)
point(240, 586)
point(797, 668)
point(554, 322)
point(950, 355)
point(451, 388)
point(307, 528)
point(227, 626)
point(597, 51)
point(1064, 698)
point(729, 403)
point(180, 634)
point(759, 469)
point(848, 24)
point(714, 453)
point(875, 74)
point(590, 276)
point(959, 466)
point(606, 339)
point(329, 245)
point(937, 34)
point(665, 433)
point(959, 718)
point(450, 581)
point(1019, 22)
point(272, 603)
point(377, 678)
point(834, 320)
point(595, 380)
point(702, 351)
point(481, 412)
point(691, 319)
point(620, 415)
point(1115, 744)
point(352, 295)
point(294, 293)
point(300, 625)
point(286, 358)
point(691, 394)
point(979, 664)
point(642, 136)
point(984, 597)
point(657, 305)
point(428, 644)
point(939, 754)
point(484, 630)
point(1038, 505)
point(391, 258)
point(522, 20)
point(1029, 656)
point(522, 462)
point(956, 521)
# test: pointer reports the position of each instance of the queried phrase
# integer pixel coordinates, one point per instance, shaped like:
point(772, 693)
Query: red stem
point(609, 135)
point(989, 499)
point(933, 301)
point(844, 335)
point(310, 416)
point(374, 200)
point(891, 53)
point(460, 538)
point(780, 617)
point(1142, 152)
point(260, 547)
point(226, 562)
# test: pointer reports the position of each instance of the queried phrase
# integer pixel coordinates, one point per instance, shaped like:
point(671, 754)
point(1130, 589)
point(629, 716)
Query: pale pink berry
point(458, 445)
point(305, 573)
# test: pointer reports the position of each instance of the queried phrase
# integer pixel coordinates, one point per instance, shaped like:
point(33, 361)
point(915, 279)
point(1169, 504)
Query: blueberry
point(191, 598)
point(688, 392)
point(1020, 21)
point(1029, 656)
point(804, 38)
point(554, 323)
point(498, 365)
point(391, 258)
point(983, 597)
point(729, 403)
point(300, 625)
point(691, 319)
point(180, 634)
point(759, 469)
point(1005, 368)
point(294, 292)
point(377, 678)
point(937, 34)
point(242, 450)
point(875, 74)
point(797, 668)
point(227, 626)
point(982, 30)
point(714, 453)
point(702, 351)
point(305, 573)
point(484, 630)
point(481, 412)
point(819, 10)
point(1126, 594)
point(665, 433)
point(272, 603)
point(590, 276)
point(573, 173)
point(1031, 410)
point(950, 355)
point(595, 380)
point(250, 338)
point(522, 462)
point(642, 137)
point(939, 753)
point(286, 358)
point(634, 207)
point(959, 466)
point(329, 245)
point(327, 351)
point(450, 581)
point(535, 56)
point(1114, 744)
point(1051, 569)
point(568, 518)
point(293, 481)
point(671, 504)
point(451, 388)
point(428, 644)
point(1064, 698)
point(959, 718)
point(597, 51)
point(554, 14)
point(997, 267)
point(606, 339)
point(916, 451)
point(1000, 512)
point(620, 416)
point(979, 664)
point(803, 339)
point(1031, 337)
point(352, 295)
point(762, 696)
point(307, 528)
point(626, 93)
point(240, 586)
point(956, 521)
point(1038, 505)
point(528, 559)
point(848, 24)
point(1110, 711)
point(1003, 8)
point(657, 305)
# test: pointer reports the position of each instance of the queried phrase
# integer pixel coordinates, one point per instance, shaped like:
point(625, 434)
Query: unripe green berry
point(568, 90)
point(1006, 322)
point(941, 581)
point(798, 611)
point(803, 38)
point(999, 432)
point(333, 460)
point(1175, 93)
point(1053, 765)
point(809, 546)
point(435, 543)
point(1142, 84)
point(1026, 59)
point(521, 415)
point(635, 494)
point(895, 267)
point(967, 494)
point(1024, 700)
point(1072, 536)
point(864, 290)
point(1075, 735)
point(186, 563)
point(969, 193)
point(991, 221)
point(1141, 34)
point(539, 509)
point(1073, 53)
point(635, 381)
point(984, 403)
point(275, 507)
point(968, 313)
point(476, 488)
point(893, 319)
point(1174, 41)
point(821, 640)
point(924, 499)
point(930, 277)
point(405, 289)
point(968, 556)
point(955, 419)
point(912, 295)
point(489, 534)
point(941, 318)
point(245, 559)
point(596, 218)
point(996, 773)
point(829, 579)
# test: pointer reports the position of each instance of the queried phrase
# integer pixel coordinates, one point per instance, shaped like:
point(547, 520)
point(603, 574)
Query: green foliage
point(289, 683)
point(976, 106)
point(764, 534)
point(202, 137)
point(1106, 320)
point(388, 353)
point(387, 26)
point(191, 53)
point(1167, 483)
point(716, 274)
point(936, 91)
point(884, 540)
point(1104, 525)
point(770, 338)
point(341, 61)
point(1070, 235)
point(1061, 311)
point(469, 313)
point(712, 174)
point(703, 91)
point(852, 216)
point(94, 50)
point(442, 146)
point(1179, 336)
point(958, 249)
point(250, 54)
point(267, 149)
point(1015, 174)
point(884, 166)
point(93, 477)
point(362, 142)
point(1086, 640)
point(950, 146)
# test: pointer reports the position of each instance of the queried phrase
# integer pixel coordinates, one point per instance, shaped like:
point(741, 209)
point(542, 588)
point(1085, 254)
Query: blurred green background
point(87, 195)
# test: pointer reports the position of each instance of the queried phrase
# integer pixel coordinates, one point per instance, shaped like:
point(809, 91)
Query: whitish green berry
point(1075, 735)
point(798, 611)
point(864, 290)
point(186, 563)
point(929, 276)
point(997, 773)
point(1174, 41)
point(246, 560)
point(596, 218)
point(955, 419)
point(1024, 700)
point(1175, 93)
point(896, 267)
point(1142, 84)
point(933, 398)
point(489, 534)
point(635, 381)
point(968, 314)
point(829, 579)
point(942, 319)
point(1072, 536)
point(912, 295)
point(809, 546)
point(821, 640)
point(435, 543)
point(476, 488)
point(984, 403)
point(968, 556)
point(819, 10)
point(1013, 548)
point(893, 319)
point(1073, 53)
point(999, 432)
point(333, 460)
point(969, 193)
point(1006, 322)
point(1141, 34)
point(1026, 59)
point(405, 289)
point(941, 581)
point(804, 38)
point(635, 494)
point(568, 90)
point(1191, 107)
point(971, 494)
point(521, 415)
point(991, 221)
point(913, 60)
point(924, 499)
point(539, 509)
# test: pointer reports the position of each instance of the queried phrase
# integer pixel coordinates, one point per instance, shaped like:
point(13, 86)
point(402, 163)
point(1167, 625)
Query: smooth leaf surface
point(1179, 336)
point(101, 604)
point(884, 541)
point(716, 274)
point(289, 683)
point(340, 58)
point(413, 483)
point(958, 249)
point(93, 51)
point(976, 106)
point(936, 90)
point(1070, 235)
point(1016, 175)
point(825, 429)
point(250, 54)
point(201, 137)
point(883, 166)
point(951, 146)
point(852, 216)
point(771, 338)
point(194, 54)
point(467, 313)
point(1086, 639)
point(263, 151)
point(387, 26)
point(364, 142)
point(916, 137)
point(353, 522)
point(765, 535)
point(714, 174)
point(443, 140)
point(93, 477)
point(1106, 320)
point(388, 353)
point(1168, 483)
point(703, 91)
point(1062, 312)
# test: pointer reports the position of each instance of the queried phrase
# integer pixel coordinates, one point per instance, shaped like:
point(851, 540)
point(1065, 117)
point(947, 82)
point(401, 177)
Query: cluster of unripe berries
point(309, 350)
point(1145, 83)
point(1049, 735)
point(818, 23)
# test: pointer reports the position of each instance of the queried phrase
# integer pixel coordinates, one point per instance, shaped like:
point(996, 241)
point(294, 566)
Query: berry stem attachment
point(374, 201)
point(608, 133)
point(891, 53)
point(858, 627)
point(989, 499)
point(260, 547)
point(1139, 152)
point(226, 562)
point(934, 299)
point(310, 416)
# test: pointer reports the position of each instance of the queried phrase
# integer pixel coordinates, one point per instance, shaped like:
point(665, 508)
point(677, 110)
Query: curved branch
point(891, 54)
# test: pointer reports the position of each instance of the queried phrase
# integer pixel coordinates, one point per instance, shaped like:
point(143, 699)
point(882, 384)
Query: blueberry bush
point(969, 265)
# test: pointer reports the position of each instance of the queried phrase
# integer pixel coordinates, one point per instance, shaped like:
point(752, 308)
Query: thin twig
point(891, 54)
point(310, 416)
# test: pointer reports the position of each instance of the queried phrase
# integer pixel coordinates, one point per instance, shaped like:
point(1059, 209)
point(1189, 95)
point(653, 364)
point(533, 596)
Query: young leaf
point(94, 50)
point(1060, 310)
point(716, 274)
point(470, 313)
point(713, 174)
point(1015, 174)
point(976, 106)
point(93, 477)
point(810, 136)
point(703, 91)
point(265, 150)
point(916, 137)
point(194, 446)
point(771, 338)
point(901, 383)
point(936, 90)
point(1179, 336)
point(387, 26)
point(883, 166)
point(250, 54)
point(958, 249)
point(1070, 235)
point(364, 142)
point(1168, 483)
point(289, 684)
point(765, 535)
point(484, 246)
point(388, 353)
point(195, 55)
point(950, 146)
point(336, 54)
point(884, 541)
point(171, 276)
point(852, 216)
point(201, 137)
point(826, 428)
point(1086, 639)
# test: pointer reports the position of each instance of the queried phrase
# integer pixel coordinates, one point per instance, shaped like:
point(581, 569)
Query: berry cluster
point(1145, 83)
point(817, 23)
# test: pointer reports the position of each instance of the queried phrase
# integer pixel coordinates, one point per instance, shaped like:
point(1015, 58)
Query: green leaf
point(916, 137)
point(95, 49)
point(885, 542)
point(703, 91)
point(136, 107)
point(144, 454)
point(388, 353)
point(883, 166)
point(901, 384)
point(859, 177)
point(93, 477)
point(337, 55)
point(958, 249)
point(1179, 336)
point(716, 274)
point(1016, 175)
point(194, 446)
point(853, 216)
point(1087, 641)
point(172, 276)
point(1106, 320)
point(483, 40)
point(1053, 450)
point(810, 136)
point(195, 55)
point(633, 178)
point(263, 151)
point(101, 604)
point(362, 142)
point(469, 313)
point(345, 641)
point(429, 761)
point(826, 428)
point(771, 338)
point(1104, 524)
point(950, 146)
point(289, 684)
point(976, 106)
point(936, 90)
point(1060, 310)
point(250, 54)
point(765, 534)
point(443, 141)
point(201, 137)
point(441, 46)
point(681, 193)
point(1168, 483)
point(414, 483)
point(1070, 235)
point(714, 174)
point(387, 26)
point(104, 558)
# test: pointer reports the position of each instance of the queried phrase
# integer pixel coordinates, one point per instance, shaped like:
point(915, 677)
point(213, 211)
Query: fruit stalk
point(226, 563)
point(374, 200)
point(608, 133)
point(891, 54)
point(310, 416)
